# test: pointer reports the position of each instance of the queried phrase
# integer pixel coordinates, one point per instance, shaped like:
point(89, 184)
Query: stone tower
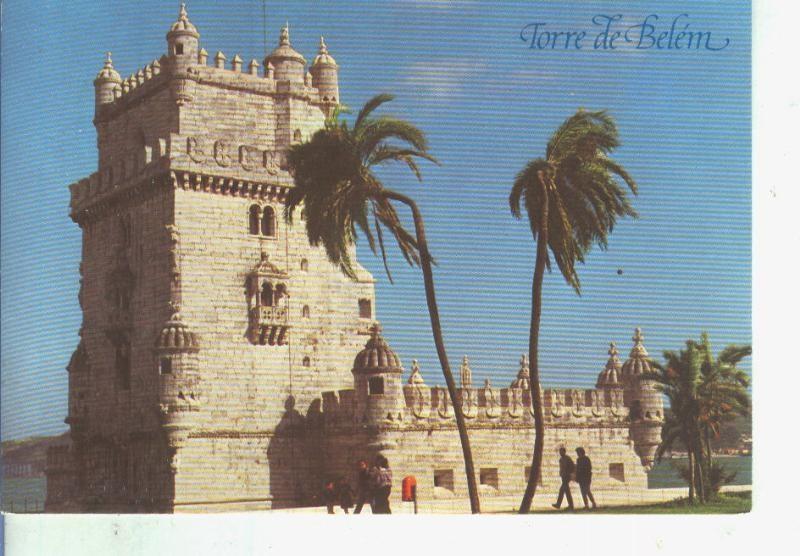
point(210, 326)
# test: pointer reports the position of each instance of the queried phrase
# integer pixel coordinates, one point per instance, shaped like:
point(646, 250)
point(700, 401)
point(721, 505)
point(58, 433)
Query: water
point(22, 495)
point(664, 475)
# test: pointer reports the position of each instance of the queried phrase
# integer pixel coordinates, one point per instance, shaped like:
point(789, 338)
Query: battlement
point(186, 65)
point(426, 407)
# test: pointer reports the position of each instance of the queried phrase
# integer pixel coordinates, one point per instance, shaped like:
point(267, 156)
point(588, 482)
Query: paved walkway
point(542, 501)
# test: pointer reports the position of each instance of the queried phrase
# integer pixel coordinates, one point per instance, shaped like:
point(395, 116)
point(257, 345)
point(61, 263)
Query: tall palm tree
point(572, 199)
point(334, 178)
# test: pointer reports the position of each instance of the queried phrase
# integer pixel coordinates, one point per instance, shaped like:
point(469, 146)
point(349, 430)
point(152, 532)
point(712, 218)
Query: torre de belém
point(224, 364)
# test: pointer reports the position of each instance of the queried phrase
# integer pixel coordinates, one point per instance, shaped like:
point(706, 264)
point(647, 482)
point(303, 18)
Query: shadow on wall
point(294, 456)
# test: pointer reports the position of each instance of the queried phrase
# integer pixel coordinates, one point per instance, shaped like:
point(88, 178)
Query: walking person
point(583, 474)
point(566, 467)
point(363, 487)
point(382, 486)
point(329, 494)
point(344, 494)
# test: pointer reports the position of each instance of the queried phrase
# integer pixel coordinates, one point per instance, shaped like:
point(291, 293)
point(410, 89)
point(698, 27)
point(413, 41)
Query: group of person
point(580, 472)
point(373, 487)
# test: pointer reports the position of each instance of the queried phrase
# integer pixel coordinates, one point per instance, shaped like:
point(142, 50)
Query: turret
point(288, 63)
point(325, 77)
point(644, 402)
point(183, 41)
point(176, 350)
point(105, 84)
point(377, 373)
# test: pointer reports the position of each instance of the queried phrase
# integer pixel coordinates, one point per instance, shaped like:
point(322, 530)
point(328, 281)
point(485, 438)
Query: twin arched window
point(261, 221)
point(306, 312)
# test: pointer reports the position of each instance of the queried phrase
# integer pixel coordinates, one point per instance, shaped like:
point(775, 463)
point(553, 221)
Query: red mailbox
point(409, 489)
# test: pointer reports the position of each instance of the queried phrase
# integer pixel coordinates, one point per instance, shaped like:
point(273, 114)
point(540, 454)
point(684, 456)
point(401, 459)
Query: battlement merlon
point(425, 406)
point(184, 67)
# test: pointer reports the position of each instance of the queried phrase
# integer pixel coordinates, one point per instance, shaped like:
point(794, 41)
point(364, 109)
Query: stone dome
point(108, 73)
point(183, 26)
point(176, 335)
point(377, 356)
point(323, 58)
point(611, 376)
point(638, 362)
point(285, 50)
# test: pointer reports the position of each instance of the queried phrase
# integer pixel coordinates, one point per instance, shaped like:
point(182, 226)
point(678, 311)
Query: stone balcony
point(269, 325)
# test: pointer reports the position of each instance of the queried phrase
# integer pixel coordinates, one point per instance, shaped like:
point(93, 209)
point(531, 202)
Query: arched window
point(254, 219)
point(304, 265)
point(306, 361)
point(298, 135)
point(268, 222)
point(266, 294)
point(306, 311)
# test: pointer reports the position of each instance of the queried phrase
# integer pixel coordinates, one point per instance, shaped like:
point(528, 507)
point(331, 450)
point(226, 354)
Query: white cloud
point(441, 80)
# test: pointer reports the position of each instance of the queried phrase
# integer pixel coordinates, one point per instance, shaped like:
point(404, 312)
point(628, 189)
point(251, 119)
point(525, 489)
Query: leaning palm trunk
point(436, 328)
point(533, 355)
point(691, 476)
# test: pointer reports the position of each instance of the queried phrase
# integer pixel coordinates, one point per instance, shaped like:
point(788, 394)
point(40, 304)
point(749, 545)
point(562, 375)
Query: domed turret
point(183, 40)
point(325, 76)
point(377, 372)
point(104, 84)
point(638, 362)
point(611, 376)
point(288, 63)
point(176, 349)
point(644, 402)
point(176, 336)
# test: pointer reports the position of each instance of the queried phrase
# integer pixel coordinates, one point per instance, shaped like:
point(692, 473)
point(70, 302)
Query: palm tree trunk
point(436, 328)
point(701, 491)
point(708, 447)
point(533, 355)
point(691, 476)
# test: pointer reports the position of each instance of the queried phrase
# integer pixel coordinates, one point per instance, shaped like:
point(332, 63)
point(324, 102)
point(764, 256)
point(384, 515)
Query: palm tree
point(573, 200)
point(334, 178)
point(723, 390)
point(703, 392)
point(679, 380)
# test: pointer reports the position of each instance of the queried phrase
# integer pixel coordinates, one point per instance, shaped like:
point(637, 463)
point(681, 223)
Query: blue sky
point(488, 103)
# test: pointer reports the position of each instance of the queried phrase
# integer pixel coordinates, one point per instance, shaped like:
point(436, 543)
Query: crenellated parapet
point(186, 64)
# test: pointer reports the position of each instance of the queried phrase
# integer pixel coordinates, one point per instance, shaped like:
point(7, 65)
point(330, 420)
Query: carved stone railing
point(269, 325)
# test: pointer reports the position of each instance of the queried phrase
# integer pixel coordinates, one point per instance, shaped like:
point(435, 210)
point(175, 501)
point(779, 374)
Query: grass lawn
point(730, 503)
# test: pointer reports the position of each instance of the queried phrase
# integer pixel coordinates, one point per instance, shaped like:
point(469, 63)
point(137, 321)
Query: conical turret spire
point(466, 373)
point(416, 376)
point(523, 379)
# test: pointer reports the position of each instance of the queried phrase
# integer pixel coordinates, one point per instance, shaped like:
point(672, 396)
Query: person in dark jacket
point(583, 475)
point(329, 494)
point(381, 477)
point(363, 487)
point(344, 494)
point(566, 467)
